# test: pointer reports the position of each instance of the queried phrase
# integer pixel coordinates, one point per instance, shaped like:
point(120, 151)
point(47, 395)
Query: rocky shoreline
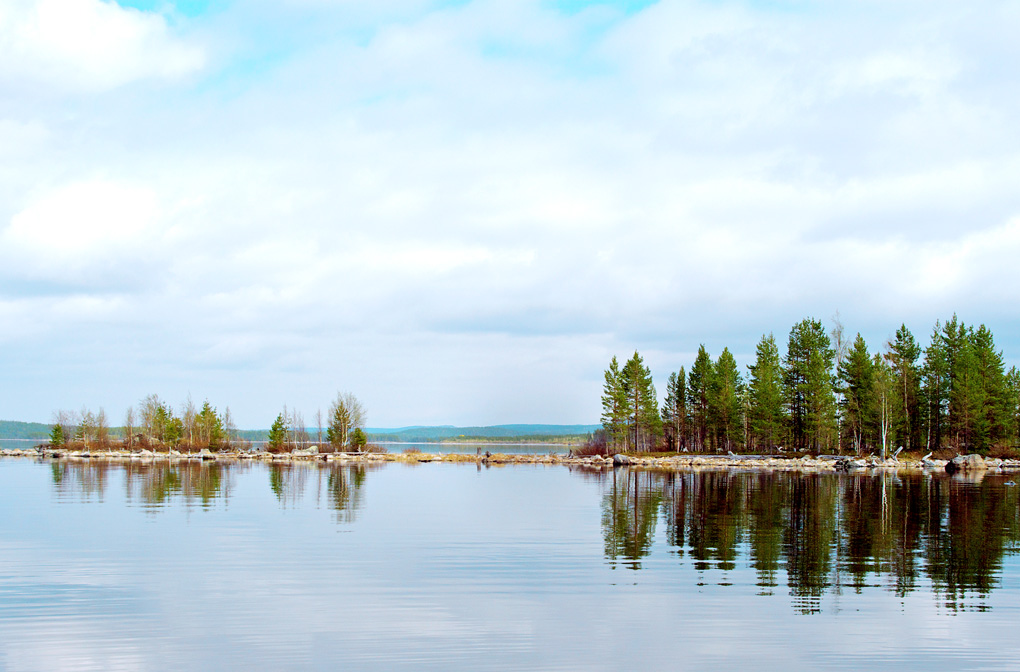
point(833, 463)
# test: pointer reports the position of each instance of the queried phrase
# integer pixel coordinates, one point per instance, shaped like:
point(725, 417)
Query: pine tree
point(967, 397)
point(278, 433)
point(644, 423)
point(1013, 392)
point(57, 435)
point(856, 376)
point(725, 407)
point(767, 413)
point(699, 382)
point(935, 388)
point(996, 414)
point(615, 405)
point(902, 354)
point(884, 385)
point(809, 386)
point(674, 410)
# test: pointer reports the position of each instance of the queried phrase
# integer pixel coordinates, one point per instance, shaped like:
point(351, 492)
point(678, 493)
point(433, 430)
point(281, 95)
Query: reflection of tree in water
point(158, 482)
point(629, 512)
point(288, 480)
point(80, 480)
point(154, 483)
point(826, 532)
point(343, 490)
point(808, 537)
point(978, 525)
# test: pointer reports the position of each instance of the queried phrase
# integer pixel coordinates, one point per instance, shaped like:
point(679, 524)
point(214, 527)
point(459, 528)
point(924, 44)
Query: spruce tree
point(278, 433)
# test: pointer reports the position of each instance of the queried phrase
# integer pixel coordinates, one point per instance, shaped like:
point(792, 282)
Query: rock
point(206, 454)
point(966, 463)
point(844, 464)
point(620, 460)
point(309, 451)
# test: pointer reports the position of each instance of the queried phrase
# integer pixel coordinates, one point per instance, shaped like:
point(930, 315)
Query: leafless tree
point(345, 415)
point(129, 427)
point(189, 415)
point(102, 429)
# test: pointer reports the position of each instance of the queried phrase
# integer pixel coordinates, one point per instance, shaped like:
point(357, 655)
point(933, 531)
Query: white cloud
point(88, 45)
point(507, 179)
point(75, 232)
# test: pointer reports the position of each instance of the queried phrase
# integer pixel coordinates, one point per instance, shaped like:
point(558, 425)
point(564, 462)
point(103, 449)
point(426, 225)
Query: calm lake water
point(455, 567)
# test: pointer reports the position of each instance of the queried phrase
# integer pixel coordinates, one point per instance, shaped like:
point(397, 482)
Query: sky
point(460, 211)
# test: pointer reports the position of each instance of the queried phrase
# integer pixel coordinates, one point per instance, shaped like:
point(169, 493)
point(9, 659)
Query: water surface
point(457, 567)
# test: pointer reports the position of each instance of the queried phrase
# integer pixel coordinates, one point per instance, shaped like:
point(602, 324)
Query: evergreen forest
point(827, 393)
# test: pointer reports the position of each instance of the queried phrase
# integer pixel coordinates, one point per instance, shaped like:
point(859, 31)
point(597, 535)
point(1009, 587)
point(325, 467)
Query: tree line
point(826, 393)
point(154, 424)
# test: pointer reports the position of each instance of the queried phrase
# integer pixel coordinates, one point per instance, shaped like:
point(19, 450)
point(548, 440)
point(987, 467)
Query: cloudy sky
point(460, 211)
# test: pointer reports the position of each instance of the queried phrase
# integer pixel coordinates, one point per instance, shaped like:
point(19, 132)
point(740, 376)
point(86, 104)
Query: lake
point(195, 565)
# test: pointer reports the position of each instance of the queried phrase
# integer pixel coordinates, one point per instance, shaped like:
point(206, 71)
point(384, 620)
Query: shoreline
point(820, 463)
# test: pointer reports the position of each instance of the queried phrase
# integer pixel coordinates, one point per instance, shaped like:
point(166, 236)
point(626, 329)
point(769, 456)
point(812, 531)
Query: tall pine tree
point(699, 382)
point(725, 403)
point(615, 405)
point(766, 406)
point(856, 376)
point(808, 382)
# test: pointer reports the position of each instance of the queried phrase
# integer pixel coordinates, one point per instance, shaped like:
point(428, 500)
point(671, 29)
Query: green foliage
point(359, 439)
point(766, 402)
point(856, 379)
point(902, 354)
point(644, 424)
point(725, 403)
point(278, 433)
point(210, 427)
point(345, 415)
point(615, 405)
point(630, 409)
point(57, 435)
point(884, 393)
point(674, 410)
point(699, 383)
point(808, 380)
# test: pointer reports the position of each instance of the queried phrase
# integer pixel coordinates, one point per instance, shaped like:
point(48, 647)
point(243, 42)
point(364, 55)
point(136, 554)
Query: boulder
point(620, 460)
point(966, 463)
point(844, 464)
point(206, 454)
point(309, 451)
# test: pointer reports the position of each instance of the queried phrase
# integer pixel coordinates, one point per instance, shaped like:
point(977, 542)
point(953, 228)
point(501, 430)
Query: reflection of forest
point(157, 483)
point(822, 533)
point(339, 485)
